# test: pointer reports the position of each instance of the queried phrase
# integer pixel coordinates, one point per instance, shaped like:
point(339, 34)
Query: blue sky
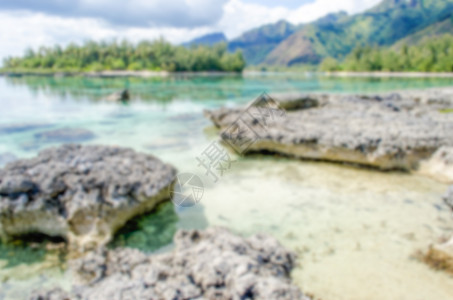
point(31, 23)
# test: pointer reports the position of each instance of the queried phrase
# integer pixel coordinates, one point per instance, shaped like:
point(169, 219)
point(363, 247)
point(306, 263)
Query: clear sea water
point(356, 231)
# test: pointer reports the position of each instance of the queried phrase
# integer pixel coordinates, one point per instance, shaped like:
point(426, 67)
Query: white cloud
point(319, 8)
point(239, 16)
point(142, 13)
point(19, 29)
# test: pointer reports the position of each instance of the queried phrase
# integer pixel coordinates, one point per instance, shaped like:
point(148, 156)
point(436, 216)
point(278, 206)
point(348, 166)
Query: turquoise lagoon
point(355, 230)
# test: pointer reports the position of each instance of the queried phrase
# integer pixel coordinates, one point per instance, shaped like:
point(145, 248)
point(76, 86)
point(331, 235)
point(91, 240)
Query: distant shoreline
point(151, 74)
point(361, 74)
point(389, 74)
point(109, 74)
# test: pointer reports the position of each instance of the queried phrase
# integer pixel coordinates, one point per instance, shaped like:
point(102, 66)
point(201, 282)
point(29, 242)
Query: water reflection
point(194, 87)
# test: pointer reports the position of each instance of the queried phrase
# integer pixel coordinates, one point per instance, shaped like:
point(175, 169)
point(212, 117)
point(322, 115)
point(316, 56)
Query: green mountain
point(207, 40)
point(257, 43)
point(435, 30)
point(336, 35)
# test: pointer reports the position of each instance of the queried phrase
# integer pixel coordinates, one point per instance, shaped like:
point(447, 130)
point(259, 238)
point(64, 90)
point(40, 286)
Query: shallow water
point(356, 231)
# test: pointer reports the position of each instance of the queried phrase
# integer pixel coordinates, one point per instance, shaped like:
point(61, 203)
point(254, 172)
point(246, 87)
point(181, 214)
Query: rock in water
point(17, 128)
point(81, 193)
point(441, 256)
point(65, 135)
point(296, 101)
point(211, 264)
point(120, 96)
point(386, 132)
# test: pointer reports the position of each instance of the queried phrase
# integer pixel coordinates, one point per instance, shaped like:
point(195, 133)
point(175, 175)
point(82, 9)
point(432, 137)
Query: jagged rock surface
point(81, 193)
point(390, 131)
point(211, 264)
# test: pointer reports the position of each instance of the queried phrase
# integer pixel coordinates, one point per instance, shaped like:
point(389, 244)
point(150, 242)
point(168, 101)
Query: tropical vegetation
point(158, 55)
point(433, 55)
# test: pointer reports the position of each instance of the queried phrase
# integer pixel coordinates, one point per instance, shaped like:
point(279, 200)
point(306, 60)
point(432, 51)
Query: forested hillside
point(433, 54)
point(384, 25)
point(257, 43)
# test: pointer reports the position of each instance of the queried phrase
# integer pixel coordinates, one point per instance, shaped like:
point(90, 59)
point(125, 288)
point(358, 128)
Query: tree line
point(432, 55)
point(158, 55)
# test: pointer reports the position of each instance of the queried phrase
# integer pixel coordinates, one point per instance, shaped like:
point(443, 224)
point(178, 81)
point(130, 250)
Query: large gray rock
point(391, 131)
point(211, 264)
point(81, 193)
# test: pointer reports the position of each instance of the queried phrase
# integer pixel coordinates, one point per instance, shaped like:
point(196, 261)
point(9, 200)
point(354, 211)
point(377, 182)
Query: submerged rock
point(168, 143)
point(65, 135)
point(211, 264)
point(81, 193)
point(120, 96)
point(17, 128)
point(387, 132)
point(296, 101)
point(441, 256)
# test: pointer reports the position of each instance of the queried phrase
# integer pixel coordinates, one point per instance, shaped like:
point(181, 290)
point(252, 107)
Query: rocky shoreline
point(399, 131)
point(210, 264)
point(84, 194)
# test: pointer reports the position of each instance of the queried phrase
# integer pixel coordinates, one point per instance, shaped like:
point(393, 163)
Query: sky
point(32, 23)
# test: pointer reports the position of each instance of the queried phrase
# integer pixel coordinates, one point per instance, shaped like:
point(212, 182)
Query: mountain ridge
point(382, 25)
point(258, 42)
point(207, 39)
